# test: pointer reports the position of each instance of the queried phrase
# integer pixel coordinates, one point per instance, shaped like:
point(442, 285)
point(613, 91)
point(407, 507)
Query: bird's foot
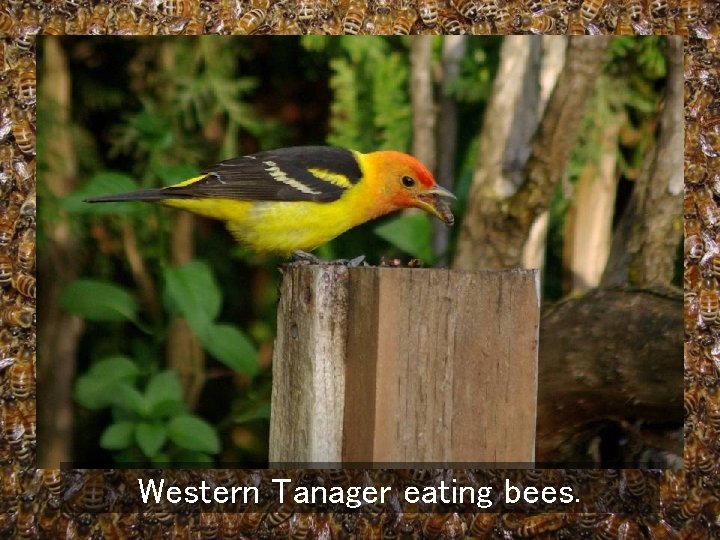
point(303, 257)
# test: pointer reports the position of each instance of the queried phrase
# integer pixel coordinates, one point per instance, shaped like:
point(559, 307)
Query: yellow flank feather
point(284, 227)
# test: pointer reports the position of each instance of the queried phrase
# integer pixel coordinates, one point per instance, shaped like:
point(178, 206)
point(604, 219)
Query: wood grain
point(436, 366)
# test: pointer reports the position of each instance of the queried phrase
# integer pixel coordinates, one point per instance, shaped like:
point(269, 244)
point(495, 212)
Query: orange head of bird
point(406, 183)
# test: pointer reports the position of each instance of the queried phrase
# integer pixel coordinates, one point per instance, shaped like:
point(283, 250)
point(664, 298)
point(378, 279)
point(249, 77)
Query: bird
point(289, 201)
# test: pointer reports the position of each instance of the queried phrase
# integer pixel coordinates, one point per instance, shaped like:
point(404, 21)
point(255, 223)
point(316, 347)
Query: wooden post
point(405, 365)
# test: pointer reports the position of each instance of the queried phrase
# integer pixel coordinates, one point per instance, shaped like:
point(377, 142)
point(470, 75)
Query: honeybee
point(24, 133)
point(250, 22)
point(55, 25)
point(12, 425)
point(488, 9)
point(504, 20)
point(125, 21)
point(7, 23)
point(25, 284)
point(24, 174)
point(433, 525)
point(49, 519)
point(698, 458)
point(450, 23)
point(658, 10)
point(635, 483)
point(249, 521)
point(384, 6)
point(707, 208)
point(482, 525)
point(6, 122)
point(209, 525)
point(305, 11)
point(534, 6)
point(539, 525)
point(97, 23)
point(20, 316)
point(331, 24)
point(91, 491)
point(26, 521)
point(467, 8)
point(590, 9)
point(53, 481)
point(6, 269)
point(615, 526)
point(287, 24)
point(404, 21)
point(379, 23)
point(8, 222)
point(178, 8)
point(80, 23)
point(198, 21)
point(539, 24)
point(229, 525)
point(25, 257)
point(21, 374)
point(428, 11)
point(709, 301)
point(354, 17)
point(281, 514)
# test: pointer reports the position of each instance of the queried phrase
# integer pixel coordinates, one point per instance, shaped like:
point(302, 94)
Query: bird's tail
point(142, 195)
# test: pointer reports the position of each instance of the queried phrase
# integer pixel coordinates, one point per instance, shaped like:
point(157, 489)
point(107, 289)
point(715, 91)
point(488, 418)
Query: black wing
point(275, 175)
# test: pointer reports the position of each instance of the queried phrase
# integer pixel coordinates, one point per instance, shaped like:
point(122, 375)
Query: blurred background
point(563, 155)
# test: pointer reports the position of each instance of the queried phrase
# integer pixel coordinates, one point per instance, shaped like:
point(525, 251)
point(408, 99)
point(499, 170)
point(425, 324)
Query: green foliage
point(371, 105)
point(99, 301)
point(103, 183)
point(154, 421)
point(411, 233)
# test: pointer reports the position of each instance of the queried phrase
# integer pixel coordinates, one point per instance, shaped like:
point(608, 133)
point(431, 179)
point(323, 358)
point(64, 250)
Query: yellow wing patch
point(334, 178)
point(190, 180)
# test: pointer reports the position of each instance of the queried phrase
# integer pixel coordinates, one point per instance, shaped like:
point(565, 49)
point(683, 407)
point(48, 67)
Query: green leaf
point(261, 412)
point(98, 301)
point(103, 183)
point(163, 386)
point(150, 438)
point(412, 233)
point(96, 388)
point(193, 433)
point(113, 368)
point(131, 399)
point(118, 436)
point(193, 291)
point(167, 409)
point(230, 346)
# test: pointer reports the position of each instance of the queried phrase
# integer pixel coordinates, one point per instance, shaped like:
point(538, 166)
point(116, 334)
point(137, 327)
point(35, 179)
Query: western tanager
point(295, 199)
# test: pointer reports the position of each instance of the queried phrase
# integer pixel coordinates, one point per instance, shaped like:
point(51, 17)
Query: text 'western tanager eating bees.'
point(292, 200)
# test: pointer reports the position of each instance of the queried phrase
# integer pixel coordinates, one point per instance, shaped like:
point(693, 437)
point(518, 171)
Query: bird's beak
point(432, 201)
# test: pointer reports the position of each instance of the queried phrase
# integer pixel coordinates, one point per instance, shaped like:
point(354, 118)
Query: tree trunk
point(58, 331)
point(594, 367)
point(553, 60)
point(500, 214)
point(452, 53)
point(423, 104)
point(588, 222)
point(646, 240)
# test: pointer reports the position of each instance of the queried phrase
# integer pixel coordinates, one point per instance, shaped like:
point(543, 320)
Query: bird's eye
point(407, 181)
